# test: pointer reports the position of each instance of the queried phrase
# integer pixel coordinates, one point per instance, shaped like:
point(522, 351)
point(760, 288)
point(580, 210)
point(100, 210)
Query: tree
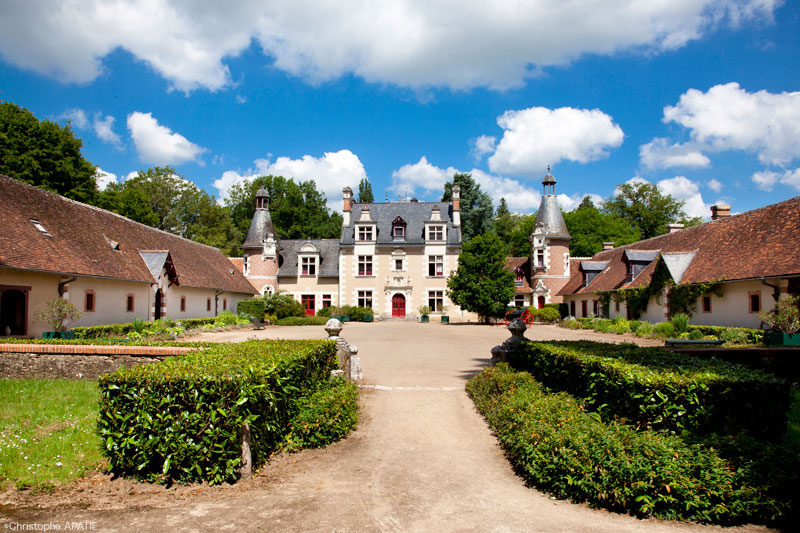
point(44, 154)
point(590, 228)
point(481, 283)
point(298, 210)
point(476, 206)
point(365, 195)
point(644, 207)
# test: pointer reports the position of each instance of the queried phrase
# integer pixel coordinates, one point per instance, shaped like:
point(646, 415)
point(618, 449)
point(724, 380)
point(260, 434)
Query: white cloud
point(104, 129)
point(411, 43)
point(688, 191)
point(158, 145)
point(714, 185)
point(537, 137)
point(331, 173)
point(76, 116)
point(658, 154)
point(482, 145)
point(520, 199)
point(767, 179)
point(421, 175)
point(103, 178)
point(729, 118)
point(569, 203)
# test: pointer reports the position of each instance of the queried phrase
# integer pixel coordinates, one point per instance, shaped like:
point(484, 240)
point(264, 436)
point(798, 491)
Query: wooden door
point(540, 302)
point(398, 306)
point(308, 303)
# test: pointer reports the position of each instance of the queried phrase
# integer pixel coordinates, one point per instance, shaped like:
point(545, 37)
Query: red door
point(398, 306)
point(308, 303)
point(541, 302)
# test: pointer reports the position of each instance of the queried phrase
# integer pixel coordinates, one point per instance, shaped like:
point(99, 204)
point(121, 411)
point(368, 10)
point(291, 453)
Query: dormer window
point(399, 228)
point(435, 233)
point(365, 233)
point(540, 258)
point(308, 266)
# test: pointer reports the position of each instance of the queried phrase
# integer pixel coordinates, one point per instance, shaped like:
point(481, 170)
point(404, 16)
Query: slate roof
point(89, 241)
point(260, 227)
point(415, 214)
point(763, 243)
point(524, 263)
point(328, 256)
point(549, 215)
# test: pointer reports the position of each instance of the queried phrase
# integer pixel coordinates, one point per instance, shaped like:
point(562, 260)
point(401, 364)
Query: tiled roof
point(87, 241)
point(328, 256)
point(414, 214)
point(260, 228)
point(524, 263)
point(549, 216)
point(762, 243)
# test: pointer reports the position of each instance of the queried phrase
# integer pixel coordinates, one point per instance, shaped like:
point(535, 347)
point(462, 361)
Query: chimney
point(674, 228)
point(347, 196)
point(608, 245)
point(720, 211)
point(456, 206)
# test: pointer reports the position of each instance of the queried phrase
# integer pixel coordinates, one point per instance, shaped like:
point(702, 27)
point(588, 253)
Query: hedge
point(117, 330)
point(182, 419)
point(255, 308)
point(738, 335)
point(324, 417)
point(656, 388)
point(302, 321)
point(571, 453)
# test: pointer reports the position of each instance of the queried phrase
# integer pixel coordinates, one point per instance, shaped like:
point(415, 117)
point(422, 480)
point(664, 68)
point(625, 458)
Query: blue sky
point(698, 96)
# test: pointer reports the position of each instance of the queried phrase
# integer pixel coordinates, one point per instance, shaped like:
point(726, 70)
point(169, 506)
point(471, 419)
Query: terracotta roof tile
point(523, 263)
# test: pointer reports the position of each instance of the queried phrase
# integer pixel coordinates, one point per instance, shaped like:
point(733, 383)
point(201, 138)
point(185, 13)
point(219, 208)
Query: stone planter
point(424, 318)
point(58, 335)
point(778, 338)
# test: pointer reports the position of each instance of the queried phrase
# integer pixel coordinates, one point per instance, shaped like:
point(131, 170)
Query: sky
point(701, 97)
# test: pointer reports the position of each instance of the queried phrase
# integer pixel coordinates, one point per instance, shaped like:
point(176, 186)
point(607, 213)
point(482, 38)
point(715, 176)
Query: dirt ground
point(422, 459)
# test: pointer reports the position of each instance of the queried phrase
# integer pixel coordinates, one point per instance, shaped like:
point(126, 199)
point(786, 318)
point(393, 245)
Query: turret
point(456, 206)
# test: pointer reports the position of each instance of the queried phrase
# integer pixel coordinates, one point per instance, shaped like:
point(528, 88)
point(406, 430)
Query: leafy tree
point(44, 154)
point(481, 283)
point(298, 210)
point(476, 206)
point(589, 228)
point(518, 243)
point(365, 195)
point(644, 207)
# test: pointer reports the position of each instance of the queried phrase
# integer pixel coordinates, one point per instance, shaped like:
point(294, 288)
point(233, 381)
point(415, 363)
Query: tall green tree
point(481, 283)
point(298, 210)
point(44, 154)
point(645, 208)
point(476, 206)
point(590, 228)
point(365, 195)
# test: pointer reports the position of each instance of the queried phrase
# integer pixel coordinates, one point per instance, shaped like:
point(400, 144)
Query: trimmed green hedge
point(735, 335)
point(122, 329)
point(302, 321)
point(324, 417)
point(255, 308)
point(182, 419)
point(656, 388)
point(572, 454)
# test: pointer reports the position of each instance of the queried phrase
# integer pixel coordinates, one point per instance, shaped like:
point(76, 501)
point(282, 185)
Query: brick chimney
point(720, 211)
point(674, 228)
point(456, 206)
point(608, 245)
point(347, 197)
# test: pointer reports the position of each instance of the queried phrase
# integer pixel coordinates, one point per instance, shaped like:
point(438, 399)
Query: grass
point(47, 432)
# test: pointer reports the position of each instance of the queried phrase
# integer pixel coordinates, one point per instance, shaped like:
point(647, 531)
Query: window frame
point(705, 299)
point(208, 305)
point(365, 231)
point(327, 301)
point(364, 297)
point(308, 266)
point(750, 296)
point(89, 296)
point(519, 301)
point(436, 233)
point(183, 304)
point(436, 300)
point(435, 266)
point(130, 303)
point(365, 267)
point(540, 259)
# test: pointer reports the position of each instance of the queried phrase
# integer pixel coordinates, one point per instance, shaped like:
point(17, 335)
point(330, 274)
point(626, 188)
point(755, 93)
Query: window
point(365, 299)
point(398, 264)
point(435, 266)
point(246, 264)
point(89, 301)
point(365, 233)
point(364, 265)
point(308, 301)
point(436, 233)
point(572, 308)
point(616, 306)
point(183, 304)
point(309, 266)
point(631, 272)
point(129, 303)
point(706, 304)
point(595, 308)
point(436, 301)
point(398, 228)
point(519, 300)
point(540, 258)
point(755, 302)
point(583, 308)
point(224, 304)
point(326, 300)
point(208, 304)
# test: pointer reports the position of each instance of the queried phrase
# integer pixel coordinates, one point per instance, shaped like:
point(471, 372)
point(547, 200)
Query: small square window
point(129, 303)
point(398, 264)
point(436, 301)
point(365, 233)
point(755, 302)
point(89, 301)
point(365, 299)
point(706, 304)
point(326, 300)
point(309, 266)
point(436, 233)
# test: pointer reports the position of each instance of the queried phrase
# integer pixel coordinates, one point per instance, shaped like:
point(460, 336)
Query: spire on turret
point(550, 181)
point(261, 228)
point(549, 219)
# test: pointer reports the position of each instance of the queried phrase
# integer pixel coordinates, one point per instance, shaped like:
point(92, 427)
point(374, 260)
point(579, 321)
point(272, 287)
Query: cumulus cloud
point(104, 129)
point(482, 145)
point(103, 178)
point(767, 179)
point(410, 43)
point(537, 137)
point(688, 191)
point(714, 185)
point(77, 117)
point(727, 117)
point(571, 202)
point(158, 145)
point(659, 154)
point(331, 173)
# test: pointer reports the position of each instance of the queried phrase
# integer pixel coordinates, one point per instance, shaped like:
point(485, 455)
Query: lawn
point(47, 432)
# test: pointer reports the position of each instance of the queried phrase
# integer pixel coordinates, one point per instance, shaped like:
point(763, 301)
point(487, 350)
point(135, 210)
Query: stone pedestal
point(349, 362)
point(500, 353)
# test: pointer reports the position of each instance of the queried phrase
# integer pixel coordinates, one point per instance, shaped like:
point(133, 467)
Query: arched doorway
point(159, 298)
point(13, 312)
point(398, 306)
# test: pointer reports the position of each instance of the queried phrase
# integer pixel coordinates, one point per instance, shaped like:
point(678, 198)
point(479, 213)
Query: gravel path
point(422, 458)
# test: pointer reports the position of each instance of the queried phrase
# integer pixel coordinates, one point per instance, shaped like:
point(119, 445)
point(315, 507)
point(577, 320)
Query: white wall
point(733, 308)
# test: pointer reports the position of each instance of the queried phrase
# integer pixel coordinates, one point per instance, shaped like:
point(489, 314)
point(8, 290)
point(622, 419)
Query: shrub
point(357, 314)
point(282, 305)
point(226, 318)
point(621, 328)
point(739, 336)
point(695, 335)
point(643, 328)
point(324, 417)
point(734, 335)
point(570, 453)
point(57, 314)
point(182, 419)
point(656, 388)
point(680, 322)
point(255, 308)
point(325, 311)
point(664, 330)
point(546, 314)
point(302, 321)
point(785, 317)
